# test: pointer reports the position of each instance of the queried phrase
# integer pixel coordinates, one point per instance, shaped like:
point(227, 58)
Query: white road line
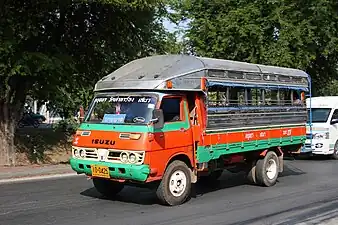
point(35, 178)
point(333, 221)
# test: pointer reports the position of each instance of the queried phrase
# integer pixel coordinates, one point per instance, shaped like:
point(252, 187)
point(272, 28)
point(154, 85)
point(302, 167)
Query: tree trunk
point(7, 133)
point(12, 98)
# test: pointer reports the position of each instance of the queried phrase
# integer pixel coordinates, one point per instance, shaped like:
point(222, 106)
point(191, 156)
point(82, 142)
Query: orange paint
point(111, 140)
point(241, 136)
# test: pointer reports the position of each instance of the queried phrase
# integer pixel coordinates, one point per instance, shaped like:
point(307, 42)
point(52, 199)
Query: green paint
point(205, 154)
point(114, 128)
point(173, 126)
point(132, 172)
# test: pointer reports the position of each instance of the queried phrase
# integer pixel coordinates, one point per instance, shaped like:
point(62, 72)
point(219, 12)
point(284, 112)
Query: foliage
point(298, 34)
point(67, 126)
point(42, 146)
point(56, 50)
point(331, 89)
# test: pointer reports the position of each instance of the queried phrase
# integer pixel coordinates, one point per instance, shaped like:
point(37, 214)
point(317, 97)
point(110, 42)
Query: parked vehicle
point(29, 119)
point(38, 117)
point(172, 120)
point(322, 136)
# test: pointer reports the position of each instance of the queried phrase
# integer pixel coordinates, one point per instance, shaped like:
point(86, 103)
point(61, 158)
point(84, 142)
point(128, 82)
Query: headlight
point(76, 153)
point(82, 153)
point(124, 157)
point(132, 158)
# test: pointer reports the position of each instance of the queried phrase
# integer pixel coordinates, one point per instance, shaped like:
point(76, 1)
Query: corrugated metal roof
point(151, 72)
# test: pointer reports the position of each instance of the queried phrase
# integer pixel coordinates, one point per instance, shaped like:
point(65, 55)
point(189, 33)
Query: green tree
point(298, 34)
point(57, 49)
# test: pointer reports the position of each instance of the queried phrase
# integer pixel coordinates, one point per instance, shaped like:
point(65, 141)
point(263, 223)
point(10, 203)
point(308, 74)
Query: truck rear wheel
point(175, 186)
point(251, 172)
point(107, 188)
point(267, 170)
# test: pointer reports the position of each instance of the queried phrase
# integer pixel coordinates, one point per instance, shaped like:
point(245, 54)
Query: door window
point(171, 109)
point(335, 115)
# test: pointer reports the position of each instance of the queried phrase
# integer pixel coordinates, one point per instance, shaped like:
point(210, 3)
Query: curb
point(36, 178)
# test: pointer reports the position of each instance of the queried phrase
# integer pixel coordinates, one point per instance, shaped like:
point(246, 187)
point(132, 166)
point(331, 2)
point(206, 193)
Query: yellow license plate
point(100, 171)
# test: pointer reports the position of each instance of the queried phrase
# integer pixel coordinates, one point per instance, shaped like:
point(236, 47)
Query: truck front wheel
point(175, 186)
point(267, 170)
point(107, 188)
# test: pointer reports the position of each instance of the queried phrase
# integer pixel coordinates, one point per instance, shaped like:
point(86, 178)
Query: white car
point(322, 133)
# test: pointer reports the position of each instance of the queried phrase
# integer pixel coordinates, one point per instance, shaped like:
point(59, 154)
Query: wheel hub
point(178, 183)
point(271, 169)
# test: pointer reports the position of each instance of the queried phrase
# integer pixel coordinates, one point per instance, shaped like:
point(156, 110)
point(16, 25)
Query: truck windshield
point(121, 109)
point(319, 115)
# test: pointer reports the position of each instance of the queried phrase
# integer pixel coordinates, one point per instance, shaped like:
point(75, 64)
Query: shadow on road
point(309, 157)
point(145, 196)
point(229, 180)
point(291, 170)
point(139, 196)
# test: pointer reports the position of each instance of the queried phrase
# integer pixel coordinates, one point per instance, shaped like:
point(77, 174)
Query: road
point(306, 191)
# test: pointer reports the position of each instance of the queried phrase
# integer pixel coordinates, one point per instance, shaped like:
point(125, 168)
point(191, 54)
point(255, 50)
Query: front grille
point(307, 145)
point(91, 154)
point(113, 155)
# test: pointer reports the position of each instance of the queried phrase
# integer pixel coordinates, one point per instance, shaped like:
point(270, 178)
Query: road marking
point(35, 178)
point(329, 218)
point(333, 221)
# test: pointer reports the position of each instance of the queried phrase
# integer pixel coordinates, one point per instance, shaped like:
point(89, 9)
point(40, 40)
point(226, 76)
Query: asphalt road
point(307, 193)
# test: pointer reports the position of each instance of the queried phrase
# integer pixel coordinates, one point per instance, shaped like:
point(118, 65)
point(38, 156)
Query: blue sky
point(169, 25)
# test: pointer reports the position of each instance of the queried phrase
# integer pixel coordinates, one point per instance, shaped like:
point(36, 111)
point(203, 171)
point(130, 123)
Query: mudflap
point(193, 174)
point(281, 163)
point(280, 159)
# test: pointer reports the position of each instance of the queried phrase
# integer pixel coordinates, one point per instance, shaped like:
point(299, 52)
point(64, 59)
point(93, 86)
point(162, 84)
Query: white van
point(322, 137)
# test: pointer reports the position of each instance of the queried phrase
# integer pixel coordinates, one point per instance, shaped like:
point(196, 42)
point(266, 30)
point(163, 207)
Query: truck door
point(177, 130)
point(176, 135)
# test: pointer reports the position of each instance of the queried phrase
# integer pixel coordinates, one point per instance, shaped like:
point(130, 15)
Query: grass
point(42, 146)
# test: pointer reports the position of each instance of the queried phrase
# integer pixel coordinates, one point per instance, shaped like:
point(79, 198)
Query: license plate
point(100, 171)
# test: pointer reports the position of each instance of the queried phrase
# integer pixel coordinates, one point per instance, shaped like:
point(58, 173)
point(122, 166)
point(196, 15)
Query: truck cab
point(322, 132)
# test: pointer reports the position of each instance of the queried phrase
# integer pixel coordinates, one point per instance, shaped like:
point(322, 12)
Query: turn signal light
point(204, 84)
point(169, 84)
point(130, 136)
point(135, 136)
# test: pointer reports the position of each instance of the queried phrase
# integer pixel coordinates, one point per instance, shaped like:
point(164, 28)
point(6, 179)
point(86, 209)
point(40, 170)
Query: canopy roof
point(185, 72)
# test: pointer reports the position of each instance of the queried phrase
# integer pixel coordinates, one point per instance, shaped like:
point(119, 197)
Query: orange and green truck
point(170, 121)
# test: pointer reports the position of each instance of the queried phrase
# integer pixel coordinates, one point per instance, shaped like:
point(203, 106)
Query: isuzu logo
point(102, 154)
point(103, 141)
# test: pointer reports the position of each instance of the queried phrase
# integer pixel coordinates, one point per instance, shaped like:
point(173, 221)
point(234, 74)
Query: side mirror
point(334, 121)
point(158, 119)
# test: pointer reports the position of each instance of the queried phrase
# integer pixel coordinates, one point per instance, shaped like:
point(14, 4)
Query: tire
point(107, 188)
point(269, 162)
point(36, 124)
point(251, 172)
point(335, 152)
point(177, 174)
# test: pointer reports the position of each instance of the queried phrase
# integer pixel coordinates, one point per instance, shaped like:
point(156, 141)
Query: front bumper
point(320, 146)
point(116, 171)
